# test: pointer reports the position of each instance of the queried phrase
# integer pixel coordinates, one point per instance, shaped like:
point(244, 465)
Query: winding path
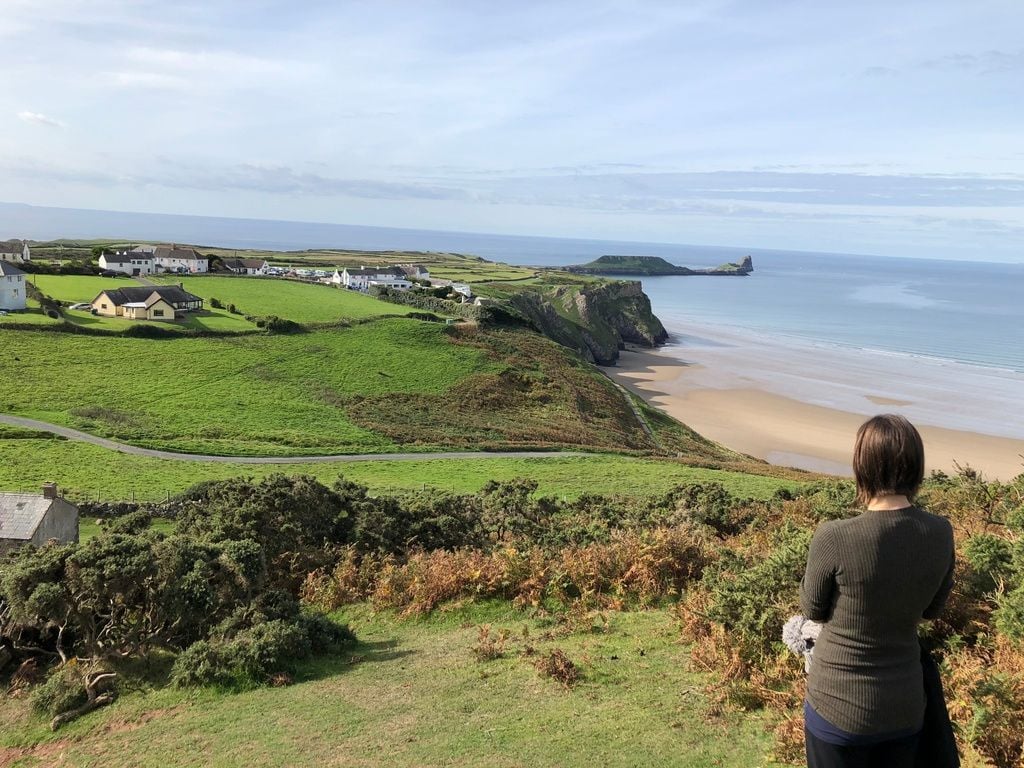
point(134, 450)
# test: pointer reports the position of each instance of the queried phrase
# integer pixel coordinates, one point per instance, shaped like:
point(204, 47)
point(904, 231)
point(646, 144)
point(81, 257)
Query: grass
point(301, 302)
point(273, 395)
point(411, 694)
point(88, 471)
point(79, 288)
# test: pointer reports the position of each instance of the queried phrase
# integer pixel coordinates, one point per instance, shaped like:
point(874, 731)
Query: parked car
point(81, 305)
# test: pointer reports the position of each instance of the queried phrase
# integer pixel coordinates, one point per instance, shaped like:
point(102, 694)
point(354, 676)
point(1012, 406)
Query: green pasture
point(412, 693)
point(266, 395)
point(74, 289)
point(28, 459)
point(301, 302)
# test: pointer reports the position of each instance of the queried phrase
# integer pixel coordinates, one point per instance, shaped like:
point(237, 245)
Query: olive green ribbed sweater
point(871, 579)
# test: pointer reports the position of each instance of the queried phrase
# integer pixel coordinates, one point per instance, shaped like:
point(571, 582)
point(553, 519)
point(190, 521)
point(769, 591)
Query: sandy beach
point(799, 404)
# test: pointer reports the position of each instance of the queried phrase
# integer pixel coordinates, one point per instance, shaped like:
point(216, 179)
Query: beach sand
point(723, 388)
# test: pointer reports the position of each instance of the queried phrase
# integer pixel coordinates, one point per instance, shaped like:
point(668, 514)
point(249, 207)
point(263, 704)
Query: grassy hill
point(370, 388)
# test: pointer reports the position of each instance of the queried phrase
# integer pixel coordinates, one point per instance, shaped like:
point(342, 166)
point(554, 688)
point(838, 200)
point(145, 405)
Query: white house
point(16, 251)
point(128, 262)
point(364, 278)
point(12, 287)
point(246, 266)
point(171, 258)
point(140, 302)
point(464, 289)
point(28, 518)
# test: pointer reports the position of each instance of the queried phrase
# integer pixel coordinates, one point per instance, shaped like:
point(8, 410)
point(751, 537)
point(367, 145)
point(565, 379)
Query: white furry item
point(799, 635)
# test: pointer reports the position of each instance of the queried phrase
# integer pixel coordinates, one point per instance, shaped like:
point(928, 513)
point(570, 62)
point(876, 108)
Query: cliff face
point(594, 320)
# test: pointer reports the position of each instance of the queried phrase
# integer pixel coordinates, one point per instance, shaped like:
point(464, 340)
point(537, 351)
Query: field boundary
point(134, 450)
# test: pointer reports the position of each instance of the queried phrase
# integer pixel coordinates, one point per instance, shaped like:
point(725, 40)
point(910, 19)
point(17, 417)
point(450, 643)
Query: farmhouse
point(15, 251)
point(128, 262)
point(164, 302)
point(12, 287)
point(246, 266)
point(171, 258)
point(28, 518)
point(364, 278)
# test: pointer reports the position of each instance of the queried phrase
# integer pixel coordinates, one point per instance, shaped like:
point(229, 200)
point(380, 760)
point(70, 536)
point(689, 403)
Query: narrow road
point(134, 450)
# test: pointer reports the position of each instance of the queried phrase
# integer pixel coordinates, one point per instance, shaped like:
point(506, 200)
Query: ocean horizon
point(967, 312)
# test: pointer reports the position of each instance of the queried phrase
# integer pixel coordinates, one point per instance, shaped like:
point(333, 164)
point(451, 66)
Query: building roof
point(244, 263)
point(12, 246)
point(126, 257)
point(9, 270)
point(172, 294)
point(21, 514)
point(395, 271)
point(172, 252)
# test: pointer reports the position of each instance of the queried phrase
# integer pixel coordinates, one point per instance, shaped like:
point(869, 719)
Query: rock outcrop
point(650, 266)
point(595, 320)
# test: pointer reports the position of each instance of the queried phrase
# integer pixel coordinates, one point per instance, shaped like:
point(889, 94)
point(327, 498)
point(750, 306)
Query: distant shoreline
point(801, 407)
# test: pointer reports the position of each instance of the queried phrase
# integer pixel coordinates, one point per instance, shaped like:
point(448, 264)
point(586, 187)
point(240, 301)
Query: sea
point(969, 312)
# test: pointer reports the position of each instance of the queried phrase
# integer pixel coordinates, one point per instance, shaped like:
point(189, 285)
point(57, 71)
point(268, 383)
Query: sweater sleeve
point(819, 581)
point(938, 602)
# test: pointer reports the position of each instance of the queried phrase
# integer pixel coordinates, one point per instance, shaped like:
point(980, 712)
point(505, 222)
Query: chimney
point(49, 490)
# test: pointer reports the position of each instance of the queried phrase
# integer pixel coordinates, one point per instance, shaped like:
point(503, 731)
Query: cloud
point(984, 63)
point(40, 119)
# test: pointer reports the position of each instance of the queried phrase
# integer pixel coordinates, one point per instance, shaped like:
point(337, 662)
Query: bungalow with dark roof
point(246, 266)
point(162, 302)
point(29, 518)
point(171, 258)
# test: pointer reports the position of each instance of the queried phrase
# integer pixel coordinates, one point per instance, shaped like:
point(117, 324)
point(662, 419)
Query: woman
point(871, 579)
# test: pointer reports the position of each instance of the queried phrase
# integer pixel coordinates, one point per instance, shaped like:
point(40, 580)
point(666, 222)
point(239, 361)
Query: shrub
point(216, 303)
point(990, 559)
point(490, 646)
point(1009, 616)
point(710, 504)
point(558, 666)
point(63, 690)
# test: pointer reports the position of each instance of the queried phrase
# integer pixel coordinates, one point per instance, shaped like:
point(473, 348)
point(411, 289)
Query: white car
point(81, 305)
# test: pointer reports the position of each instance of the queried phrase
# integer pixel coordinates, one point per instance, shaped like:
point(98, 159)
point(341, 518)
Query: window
point(103, 306)
point(158, 313)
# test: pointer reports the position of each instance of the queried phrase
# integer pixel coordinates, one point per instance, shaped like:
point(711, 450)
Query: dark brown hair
point(888, 458)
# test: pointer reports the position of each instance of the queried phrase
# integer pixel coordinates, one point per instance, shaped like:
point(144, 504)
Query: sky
point(894, 128)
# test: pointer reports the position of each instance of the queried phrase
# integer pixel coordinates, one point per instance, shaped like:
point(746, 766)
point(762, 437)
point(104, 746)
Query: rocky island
point(651, 266)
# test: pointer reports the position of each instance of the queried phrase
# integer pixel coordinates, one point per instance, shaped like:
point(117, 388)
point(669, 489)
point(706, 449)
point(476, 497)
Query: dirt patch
point(49, 754)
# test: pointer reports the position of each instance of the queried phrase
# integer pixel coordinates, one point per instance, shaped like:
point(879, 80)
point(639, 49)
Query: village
point(152, 301)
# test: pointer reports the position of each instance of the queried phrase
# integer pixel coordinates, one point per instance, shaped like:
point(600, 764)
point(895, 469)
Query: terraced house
point(165, 303)
point(171, 258)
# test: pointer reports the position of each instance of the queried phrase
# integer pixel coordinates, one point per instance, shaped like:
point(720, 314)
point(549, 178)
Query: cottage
point(12, 287)
point(28, 518)
point(127, 262)
point(417, 271)
point(365, 278)
point(162, 302)
point(16, 251)
point(463, 288)
point(171, 258)
point(246, 266)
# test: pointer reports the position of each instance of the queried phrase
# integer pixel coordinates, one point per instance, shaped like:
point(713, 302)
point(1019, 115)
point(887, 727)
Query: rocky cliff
point(596, 320)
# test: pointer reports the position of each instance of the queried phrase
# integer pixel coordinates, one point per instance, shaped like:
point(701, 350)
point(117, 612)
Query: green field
point(413, 694)
point(273, 395)
point(301, 302)
point(79, 288)
point(88, 471)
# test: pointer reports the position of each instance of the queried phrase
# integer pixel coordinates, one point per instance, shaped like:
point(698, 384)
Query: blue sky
point(871, 127)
